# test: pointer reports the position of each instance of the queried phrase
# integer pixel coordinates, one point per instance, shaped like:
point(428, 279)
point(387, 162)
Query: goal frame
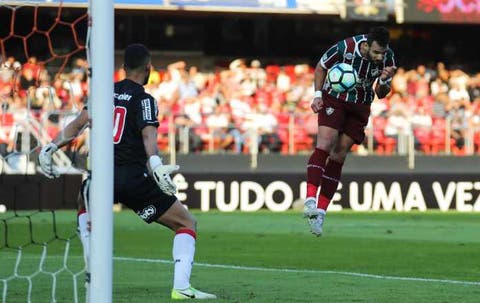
point(101, 52)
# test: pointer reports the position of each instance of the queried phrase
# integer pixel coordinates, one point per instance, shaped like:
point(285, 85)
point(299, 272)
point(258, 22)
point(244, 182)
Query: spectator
point(458, 92)
point(397, 124)
point(399, 82)
point(421, 122)
point(265, 123)
point(186, 86)
point(458, 114)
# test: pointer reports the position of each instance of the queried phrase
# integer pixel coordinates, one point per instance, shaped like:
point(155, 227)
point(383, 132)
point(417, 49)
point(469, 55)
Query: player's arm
point(383, 86)
point(320, 75)
point(161, 173)
point(329, 58)
point(72, 130)
point(319, 79)
point(67, 135)
point(148, 123)
point(149, 136)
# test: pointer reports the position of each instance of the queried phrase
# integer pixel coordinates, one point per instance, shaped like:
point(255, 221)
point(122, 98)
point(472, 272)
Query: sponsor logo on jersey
point(349, 56)
point(147, 212)
point(375, 72)
point(122, 97)
point(146, 109)
point(329, 110)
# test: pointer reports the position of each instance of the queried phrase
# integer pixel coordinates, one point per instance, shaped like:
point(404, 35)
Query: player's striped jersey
point(133, 110)
point(348, 51)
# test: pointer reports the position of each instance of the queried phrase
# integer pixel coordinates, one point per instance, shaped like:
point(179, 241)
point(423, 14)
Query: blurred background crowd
point(225, 109)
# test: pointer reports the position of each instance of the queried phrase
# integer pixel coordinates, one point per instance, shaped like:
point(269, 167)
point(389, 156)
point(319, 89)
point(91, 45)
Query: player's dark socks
point(331, 177)
point(315, 169)
point(323, 202)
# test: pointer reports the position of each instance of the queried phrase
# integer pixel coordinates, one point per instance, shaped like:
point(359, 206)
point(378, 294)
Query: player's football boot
point(316, 224)
point(310, 209)
point(190, 293)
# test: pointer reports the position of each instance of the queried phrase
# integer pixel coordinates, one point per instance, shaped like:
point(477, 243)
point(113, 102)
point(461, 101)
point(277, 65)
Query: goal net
point(43, 86)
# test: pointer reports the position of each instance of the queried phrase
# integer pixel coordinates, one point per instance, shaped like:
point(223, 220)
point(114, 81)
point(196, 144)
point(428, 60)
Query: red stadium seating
point(385, 145)
point(476, 142)
point(437, 137)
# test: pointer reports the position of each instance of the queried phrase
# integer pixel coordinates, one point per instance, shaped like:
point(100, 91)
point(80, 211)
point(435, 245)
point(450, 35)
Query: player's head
point(137, 61)
point(377, 43)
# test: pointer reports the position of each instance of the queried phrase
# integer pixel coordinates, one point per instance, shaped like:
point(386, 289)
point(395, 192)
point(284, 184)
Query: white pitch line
point(326, 272)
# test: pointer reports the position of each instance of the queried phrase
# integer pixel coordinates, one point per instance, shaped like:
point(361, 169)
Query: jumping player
point(342, 117)
point(141, 181)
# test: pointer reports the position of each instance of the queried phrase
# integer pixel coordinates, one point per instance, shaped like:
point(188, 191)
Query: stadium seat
point(6, 123)
point(7, 119)
point(384, 145)
point(162, 142)
point(52, 131)
point(459, 151)
point(283, 134)
point(476, 142)
point(437, 137)
point(423, 136)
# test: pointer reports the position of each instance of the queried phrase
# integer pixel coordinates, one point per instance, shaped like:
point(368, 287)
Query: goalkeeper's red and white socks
point(84, 232)
point(183, 252)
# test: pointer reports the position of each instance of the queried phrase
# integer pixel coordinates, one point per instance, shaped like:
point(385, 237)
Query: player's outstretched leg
point(83, 226)
point(330, 182)
point(183, 253)
point(315, 169)
point(83, 229)
point(181, 221)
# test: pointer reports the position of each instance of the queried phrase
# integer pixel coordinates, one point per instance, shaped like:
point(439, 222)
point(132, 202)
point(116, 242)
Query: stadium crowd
point(225, 109)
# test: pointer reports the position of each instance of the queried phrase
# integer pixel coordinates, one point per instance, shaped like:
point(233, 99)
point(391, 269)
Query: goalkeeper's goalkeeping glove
point(45, 160)
point(161, 174)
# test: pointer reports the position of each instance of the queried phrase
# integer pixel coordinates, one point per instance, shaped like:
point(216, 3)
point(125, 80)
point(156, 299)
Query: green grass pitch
point(264, 257)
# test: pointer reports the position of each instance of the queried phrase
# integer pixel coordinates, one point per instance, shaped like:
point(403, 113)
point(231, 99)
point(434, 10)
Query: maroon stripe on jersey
point(349, 48)
point(362, 74)
point(363, 69)
point(331, 60)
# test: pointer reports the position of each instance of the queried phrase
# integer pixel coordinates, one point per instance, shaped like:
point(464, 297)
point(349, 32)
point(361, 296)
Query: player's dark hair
point(136, 56)
point(379, 34)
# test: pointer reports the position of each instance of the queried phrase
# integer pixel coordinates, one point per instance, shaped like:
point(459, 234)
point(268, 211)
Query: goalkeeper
point(141, 181)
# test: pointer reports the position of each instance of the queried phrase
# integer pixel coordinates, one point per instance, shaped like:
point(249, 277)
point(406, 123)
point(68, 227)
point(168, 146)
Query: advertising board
point(446, 11)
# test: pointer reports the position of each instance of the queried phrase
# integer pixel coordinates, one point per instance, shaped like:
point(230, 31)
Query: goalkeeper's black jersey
point(133, 110)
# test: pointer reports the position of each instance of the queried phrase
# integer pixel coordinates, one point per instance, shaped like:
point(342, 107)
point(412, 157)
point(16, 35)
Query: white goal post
point(101, 150)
